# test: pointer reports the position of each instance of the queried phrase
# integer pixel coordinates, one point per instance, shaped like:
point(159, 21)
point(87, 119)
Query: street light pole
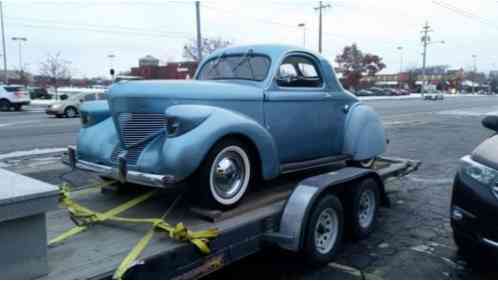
point(400, 49)
point(5, 75)
point(303, 26)
point(475, 74)
point(20, 40)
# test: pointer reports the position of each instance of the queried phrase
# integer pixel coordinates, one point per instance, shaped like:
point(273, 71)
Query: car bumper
point(121, 172)
point(21, 102)
point(51, 111)
point(474, 210)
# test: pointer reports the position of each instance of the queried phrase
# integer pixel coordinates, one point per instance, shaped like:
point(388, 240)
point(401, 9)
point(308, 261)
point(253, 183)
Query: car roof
point(274, 51)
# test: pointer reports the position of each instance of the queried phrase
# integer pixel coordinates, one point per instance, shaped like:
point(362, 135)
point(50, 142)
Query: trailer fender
point(364, 136)
point(302, 200)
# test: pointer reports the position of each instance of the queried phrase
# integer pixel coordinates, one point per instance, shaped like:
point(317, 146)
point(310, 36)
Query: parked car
point(434, 95)
point(364, 93)
point(13, 97)
point(69, 106)
point(251, 112)
point(39, 93)
point(474, 203)
point(379, 91)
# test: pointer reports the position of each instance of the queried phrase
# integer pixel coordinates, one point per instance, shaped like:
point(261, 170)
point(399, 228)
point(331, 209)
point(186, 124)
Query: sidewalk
point(417, 96)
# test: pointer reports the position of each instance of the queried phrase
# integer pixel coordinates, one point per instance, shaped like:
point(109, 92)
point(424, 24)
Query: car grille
point(134, 130)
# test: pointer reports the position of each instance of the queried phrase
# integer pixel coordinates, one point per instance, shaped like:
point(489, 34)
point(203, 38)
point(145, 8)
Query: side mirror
point(286, 80)
point(491, 122)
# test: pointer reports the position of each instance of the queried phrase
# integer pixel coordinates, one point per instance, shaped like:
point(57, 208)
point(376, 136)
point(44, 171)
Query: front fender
point(364, 136)
point(185, 153)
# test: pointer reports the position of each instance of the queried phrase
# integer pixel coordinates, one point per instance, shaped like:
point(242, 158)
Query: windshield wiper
point(246, 58)
point(216, 64)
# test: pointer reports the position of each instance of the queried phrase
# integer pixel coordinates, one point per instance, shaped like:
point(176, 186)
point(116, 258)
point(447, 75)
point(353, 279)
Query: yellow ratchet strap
point(84, 217)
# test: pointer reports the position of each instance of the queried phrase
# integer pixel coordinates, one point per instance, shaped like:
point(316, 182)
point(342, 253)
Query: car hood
point(184, 89)
point(487, 153)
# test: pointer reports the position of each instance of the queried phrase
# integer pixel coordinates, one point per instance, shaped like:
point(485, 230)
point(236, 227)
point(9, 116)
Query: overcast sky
point(85, 32)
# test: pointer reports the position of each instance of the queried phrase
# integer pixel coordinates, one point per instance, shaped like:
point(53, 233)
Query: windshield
point(244, 67)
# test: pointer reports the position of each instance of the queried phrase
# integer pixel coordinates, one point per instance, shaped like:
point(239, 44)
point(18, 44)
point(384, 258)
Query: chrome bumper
point(121, 172)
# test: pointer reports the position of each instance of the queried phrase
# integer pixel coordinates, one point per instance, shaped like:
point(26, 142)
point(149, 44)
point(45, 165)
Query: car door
point(296, 110)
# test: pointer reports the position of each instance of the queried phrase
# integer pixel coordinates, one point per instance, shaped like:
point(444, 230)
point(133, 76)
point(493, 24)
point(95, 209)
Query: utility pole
point(425, 41)
point(320, 23)
point(199, 37)
point(474, 76)
point(5, 75)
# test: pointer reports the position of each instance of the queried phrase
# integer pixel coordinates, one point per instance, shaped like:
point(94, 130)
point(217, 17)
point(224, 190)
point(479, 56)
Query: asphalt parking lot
point(413, 239)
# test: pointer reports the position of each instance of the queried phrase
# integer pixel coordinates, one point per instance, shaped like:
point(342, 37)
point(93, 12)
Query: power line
point(465, 13)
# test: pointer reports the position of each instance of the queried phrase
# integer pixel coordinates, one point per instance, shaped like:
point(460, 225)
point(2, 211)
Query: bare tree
point(208, 46)
point(56, 69)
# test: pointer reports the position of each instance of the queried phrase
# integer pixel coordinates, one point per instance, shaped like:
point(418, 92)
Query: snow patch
point(36, 151)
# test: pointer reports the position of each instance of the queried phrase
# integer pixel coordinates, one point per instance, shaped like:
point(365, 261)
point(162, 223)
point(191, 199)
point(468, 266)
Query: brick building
point(150, 68)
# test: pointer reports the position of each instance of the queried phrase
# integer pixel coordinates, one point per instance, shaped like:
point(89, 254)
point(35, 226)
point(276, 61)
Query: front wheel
point(70, 112)
point(324, 231)
point(225, 175)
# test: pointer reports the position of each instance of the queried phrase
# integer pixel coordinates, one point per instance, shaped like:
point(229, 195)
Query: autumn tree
point(56, 69)
point(354, 64)
point(209, 45)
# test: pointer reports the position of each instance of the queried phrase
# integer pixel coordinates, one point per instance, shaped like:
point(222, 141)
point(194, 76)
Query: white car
point(13, 96)
point(433, 96)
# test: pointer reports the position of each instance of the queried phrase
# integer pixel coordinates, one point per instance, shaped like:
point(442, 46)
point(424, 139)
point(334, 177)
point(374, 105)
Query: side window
point(90, 97)
point(299, 71)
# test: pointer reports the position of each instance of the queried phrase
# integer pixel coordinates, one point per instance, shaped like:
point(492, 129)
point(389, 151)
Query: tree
point(209, 45)
point(56, 69)
point(354, 64)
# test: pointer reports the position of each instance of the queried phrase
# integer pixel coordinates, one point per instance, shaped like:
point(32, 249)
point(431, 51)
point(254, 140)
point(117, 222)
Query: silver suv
point(69, 107)
point(13, 96)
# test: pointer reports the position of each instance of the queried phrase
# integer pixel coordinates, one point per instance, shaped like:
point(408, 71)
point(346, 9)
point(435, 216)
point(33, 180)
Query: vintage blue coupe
point(251, 112)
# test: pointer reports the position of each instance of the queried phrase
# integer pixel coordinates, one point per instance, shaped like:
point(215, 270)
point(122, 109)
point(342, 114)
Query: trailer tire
point(324, 231)
point(363, 208)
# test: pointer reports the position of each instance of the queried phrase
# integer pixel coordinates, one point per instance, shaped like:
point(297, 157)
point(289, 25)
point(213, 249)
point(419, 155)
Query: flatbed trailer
point(277, 214)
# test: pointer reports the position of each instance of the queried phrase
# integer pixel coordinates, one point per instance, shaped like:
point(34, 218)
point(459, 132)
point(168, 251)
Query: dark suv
point(474, 204)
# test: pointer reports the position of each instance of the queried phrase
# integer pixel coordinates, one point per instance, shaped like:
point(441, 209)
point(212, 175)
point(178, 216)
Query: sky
point(86, 32)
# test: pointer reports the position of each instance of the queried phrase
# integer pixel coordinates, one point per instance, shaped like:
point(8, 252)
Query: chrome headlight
point(56, 106)
point(481, 173)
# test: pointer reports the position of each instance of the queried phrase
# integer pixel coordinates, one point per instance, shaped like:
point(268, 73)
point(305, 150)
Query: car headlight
point(481, 173)
point(56, 106)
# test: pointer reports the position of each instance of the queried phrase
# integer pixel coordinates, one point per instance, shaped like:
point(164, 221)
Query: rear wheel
point(4, 105)
point(225, 175)
point(324, 231)
point(17, 107)
point(363, 208)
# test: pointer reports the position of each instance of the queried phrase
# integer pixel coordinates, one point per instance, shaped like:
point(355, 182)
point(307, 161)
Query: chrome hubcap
point(326, 230)
point(229, 174)
point(71, 113)
point(367, 208)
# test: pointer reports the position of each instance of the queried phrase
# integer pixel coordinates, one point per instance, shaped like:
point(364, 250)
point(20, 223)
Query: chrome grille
point(132, 155)
point(136, 127)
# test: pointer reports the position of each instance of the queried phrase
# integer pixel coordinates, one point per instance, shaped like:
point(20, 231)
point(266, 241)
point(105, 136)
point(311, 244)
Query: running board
point(312, 164)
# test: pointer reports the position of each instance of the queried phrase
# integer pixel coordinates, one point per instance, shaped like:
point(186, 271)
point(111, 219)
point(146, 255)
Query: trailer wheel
point(324, 231)
point(364, 205)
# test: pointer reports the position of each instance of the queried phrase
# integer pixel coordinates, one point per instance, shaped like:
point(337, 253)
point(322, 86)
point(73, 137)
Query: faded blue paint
point(283, 124)
point(364, 134)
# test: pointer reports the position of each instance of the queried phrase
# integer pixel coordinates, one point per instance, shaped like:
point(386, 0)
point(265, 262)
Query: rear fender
point(364, 136)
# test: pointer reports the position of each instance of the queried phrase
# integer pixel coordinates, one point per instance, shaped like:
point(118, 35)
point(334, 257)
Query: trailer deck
point(98, 251)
